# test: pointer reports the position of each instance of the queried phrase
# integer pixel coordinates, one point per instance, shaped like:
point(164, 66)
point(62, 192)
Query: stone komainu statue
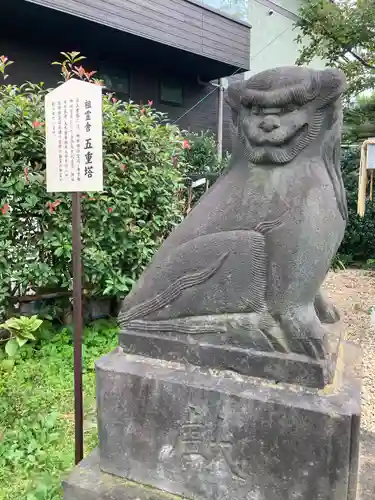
point(246, 266)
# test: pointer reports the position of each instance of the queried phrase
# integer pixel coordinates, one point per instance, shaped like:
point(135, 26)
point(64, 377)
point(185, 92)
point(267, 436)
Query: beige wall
point(273, 36)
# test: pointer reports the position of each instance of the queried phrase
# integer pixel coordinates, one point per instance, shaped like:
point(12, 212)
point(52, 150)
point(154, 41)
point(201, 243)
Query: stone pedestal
point(185, 432)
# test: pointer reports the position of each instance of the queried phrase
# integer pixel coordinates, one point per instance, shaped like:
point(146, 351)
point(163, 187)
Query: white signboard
point(197, 183)
point(371, 156)
point(74, 137)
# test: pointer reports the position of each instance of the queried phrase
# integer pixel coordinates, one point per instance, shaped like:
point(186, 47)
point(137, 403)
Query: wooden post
point(74, 153)
point(78, 323)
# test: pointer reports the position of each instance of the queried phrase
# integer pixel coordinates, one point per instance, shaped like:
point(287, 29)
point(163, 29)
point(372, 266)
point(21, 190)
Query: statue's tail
point(267, 226)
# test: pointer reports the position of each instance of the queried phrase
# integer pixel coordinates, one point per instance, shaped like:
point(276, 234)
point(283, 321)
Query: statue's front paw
point(304, 337)
point(326, 311)
point(332, 314)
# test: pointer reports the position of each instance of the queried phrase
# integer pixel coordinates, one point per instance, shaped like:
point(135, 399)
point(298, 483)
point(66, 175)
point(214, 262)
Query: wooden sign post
point(75, 164)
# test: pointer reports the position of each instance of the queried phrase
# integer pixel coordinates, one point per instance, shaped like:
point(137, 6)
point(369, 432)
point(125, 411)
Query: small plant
point(71, 69)
point(4, 63)
point(21, 330)
point(338, 264)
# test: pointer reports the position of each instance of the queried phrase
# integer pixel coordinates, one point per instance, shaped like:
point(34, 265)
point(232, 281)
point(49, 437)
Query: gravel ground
point(353, 292)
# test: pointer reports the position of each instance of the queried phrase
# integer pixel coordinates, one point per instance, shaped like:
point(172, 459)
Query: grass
point(37, 412)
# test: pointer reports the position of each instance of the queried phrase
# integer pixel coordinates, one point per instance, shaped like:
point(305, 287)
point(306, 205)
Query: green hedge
point(201, 156)
point(122, 227)
point(358, 246)
point(201, 161)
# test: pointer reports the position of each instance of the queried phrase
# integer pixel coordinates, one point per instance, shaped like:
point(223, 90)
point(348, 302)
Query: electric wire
point(235, 72)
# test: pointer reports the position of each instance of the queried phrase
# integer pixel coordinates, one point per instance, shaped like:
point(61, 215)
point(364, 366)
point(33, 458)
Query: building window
point(171, 92)
point(118, 83)
point(235, 8)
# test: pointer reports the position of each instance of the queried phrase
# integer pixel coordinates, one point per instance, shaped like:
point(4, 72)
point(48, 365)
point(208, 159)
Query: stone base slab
point(216, 435)
point(201, 351)
point(88, 482)
point(366, 486)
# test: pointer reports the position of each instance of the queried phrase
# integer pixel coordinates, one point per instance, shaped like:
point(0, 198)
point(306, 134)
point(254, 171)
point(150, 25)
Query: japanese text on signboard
point(74, 138)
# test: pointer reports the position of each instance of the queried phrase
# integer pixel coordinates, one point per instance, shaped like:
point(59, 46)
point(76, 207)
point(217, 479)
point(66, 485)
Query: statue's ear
point(332, 85)
point(233, 96)
point(233, 99)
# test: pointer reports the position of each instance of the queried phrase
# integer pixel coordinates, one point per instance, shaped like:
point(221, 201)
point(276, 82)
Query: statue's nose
point(270, 123)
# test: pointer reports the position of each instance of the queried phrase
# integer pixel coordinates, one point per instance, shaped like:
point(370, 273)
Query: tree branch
point(360, 59)
point(331, 35)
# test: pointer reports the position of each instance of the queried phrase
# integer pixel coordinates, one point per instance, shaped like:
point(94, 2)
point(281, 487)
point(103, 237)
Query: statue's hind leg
point(219, 273)
point(211, 285)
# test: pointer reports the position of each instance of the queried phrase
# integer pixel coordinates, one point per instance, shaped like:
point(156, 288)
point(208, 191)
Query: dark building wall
point(179, 23)
point(33, 62)
point(146, 85)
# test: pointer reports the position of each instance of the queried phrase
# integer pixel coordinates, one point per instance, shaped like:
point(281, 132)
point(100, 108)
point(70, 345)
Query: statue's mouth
point(277, 140)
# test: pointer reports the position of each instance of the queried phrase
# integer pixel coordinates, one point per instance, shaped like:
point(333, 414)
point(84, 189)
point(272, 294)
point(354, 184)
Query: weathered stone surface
point(246, 266)
point(214, 435)
point(275, 366)
point(88, 482)
point(366, 486)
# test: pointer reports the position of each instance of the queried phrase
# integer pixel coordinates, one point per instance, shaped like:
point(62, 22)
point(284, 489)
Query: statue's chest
point(254, 195)
point(247, 196)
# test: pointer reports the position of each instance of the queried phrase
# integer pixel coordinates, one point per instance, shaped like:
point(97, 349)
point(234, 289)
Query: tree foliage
point(359, 120)
point(201, 156)
point(343, 34)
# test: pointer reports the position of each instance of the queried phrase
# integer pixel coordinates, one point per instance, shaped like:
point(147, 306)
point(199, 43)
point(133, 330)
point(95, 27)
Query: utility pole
point(220, 120)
